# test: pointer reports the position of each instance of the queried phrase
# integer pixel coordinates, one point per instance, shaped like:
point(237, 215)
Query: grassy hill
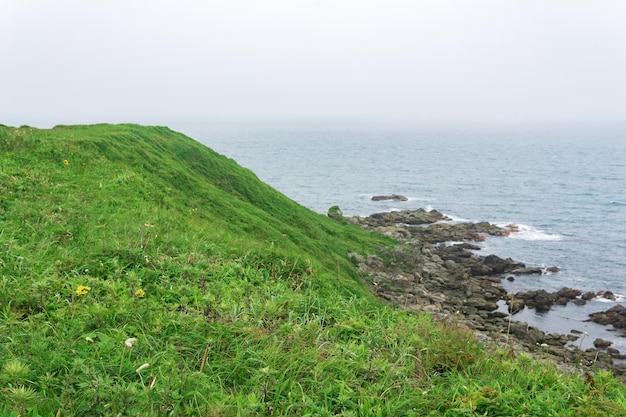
point(141, 273)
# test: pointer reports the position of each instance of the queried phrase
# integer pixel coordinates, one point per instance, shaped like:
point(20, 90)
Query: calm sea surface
point(564, 186)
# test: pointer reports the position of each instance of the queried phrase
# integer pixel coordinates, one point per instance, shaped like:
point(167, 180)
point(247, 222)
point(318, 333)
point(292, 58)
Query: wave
point(618, 298)
point(526, 232)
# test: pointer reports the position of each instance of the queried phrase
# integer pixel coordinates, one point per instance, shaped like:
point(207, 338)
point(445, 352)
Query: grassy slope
point(242, 302)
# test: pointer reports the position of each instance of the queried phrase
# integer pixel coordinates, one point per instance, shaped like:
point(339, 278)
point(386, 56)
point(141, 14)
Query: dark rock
point(449, 281)
point(408, 217)
point(588, 296)
point(607, 294)
point(499, 265)
point(541, 300)
point(553, 269)
point(510, 278)
point(579, 302)
point(615, 316)
point(601, 343)
point(568, 293)
point(613, 352)
point(394, 197)
point(516, 306)
point(564, 295)
point(530, 335)
point(533, 270)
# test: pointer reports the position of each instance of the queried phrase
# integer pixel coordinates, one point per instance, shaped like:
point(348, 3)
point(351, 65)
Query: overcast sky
point(158, 62)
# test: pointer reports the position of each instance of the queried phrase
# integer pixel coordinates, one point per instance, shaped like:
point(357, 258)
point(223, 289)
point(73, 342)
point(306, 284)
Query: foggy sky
point(155, 61)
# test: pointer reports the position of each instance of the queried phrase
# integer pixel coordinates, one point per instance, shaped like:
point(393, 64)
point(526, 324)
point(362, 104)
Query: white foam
point(618, 298)
point(526, 232)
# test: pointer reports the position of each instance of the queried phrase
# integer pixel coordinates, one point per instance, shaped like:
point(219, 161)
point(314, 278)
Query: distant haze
point(405, 61)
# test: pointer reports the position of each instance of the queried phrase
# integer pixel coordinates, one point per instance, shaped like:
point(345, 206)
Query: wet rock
point(516, 306)
point(615, 316)
point(408, 217)
point(533, 270)
point(615, 354)
point(499, 265)
point(393, 197)
point(427, 273)
point(607, 294)
point(540, 300)
point(569, 293)
point(601, 343)
point(565, 295)
point(588, 296)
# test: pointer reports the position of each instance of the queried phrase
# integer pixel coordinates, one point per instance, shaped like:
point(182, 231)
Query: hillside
point(141, 273)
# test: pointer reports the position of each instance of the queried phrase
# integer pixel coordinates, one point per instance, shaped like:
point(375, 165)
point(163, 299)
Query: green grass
point(241, 301)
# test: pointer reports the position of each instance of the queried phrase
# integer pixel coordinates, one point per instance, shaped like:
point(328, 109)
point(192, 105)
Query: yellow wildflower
point(140, 293)
point(83, 290)
point(66, 162)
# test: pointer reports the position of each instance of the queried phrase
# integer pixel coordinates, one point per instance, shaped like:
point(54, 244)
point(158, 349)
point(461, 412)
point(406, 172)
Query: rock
point(553, 269)
point(335, 213)
point(450, 281)
point(615, 316)
point(565, 295)
point(394, 197)
point(588, 296)
point(408, 217)
point(607, 294)
point(516, 306)
point(499, 265)
point(541, 300)
point(601, 343)
point(615, 354)
point(568, 293)
point(533, 270)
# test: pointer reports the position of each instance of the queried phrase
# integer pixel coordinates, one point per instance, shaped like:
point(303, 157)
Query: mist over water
point(565, 187)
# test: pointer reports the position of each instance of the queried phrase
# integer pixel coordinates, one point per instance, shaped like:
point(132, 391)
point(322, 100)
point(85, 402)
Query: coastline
point(437, 268)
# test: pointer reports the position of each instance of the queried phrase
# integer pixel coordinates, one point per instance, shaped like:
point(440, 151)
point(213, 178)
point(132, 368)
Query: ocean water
point(564, 186)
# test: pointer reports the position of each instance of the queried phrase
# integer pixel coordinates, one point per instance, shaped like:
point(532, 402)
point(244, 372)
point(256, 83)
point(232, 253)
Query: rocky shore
point(437, 269)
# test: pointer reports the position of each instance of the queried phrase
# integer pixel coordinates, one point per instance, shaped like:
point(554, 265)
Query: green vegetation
point(141, 273)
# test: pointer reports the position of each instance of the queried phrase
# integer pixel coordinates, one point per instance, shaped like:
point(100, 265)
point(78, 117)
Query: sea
point(563, 185)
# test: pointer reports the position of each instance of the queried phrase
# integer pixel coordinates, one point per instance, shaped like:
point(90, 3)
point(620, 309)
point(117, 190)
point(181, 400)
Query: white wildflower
point(130, 342)
point(142, 367)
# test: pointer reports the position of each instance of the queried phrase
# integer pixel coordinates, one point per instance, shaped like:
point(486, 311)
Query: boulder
point(408, 217)
point(601, 343)
point(393, 197)
point(540, 300)
point(615, 316)
point(335, 213)
point(533, 270)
